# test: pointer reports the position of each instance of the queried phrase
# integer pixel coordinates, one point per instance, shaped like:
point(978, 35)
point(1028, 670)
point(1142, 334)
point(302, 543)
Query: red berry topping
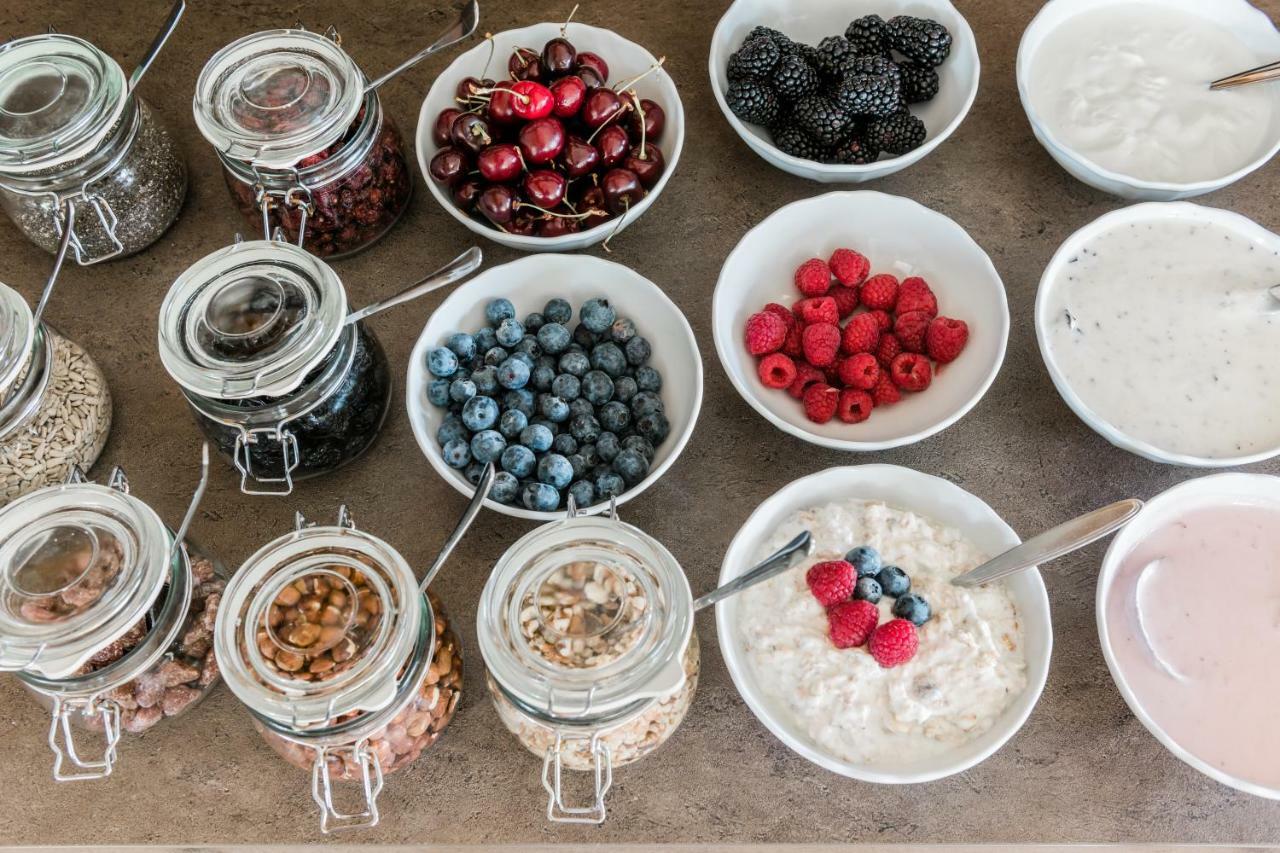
point(945, 339)
point(855, 406)
point(914, 295)
point(849, 267)
point(832, 581)
point(888, 348)
point(860, 371)
point(883, 320)
point(806, 375)
point(821, 343)
point(820, 402)
point(777, 370)
point(814, 277)
point(894, 643)
point(910, 329)
point(885, 393)
point(766, 333)
point(792, 346)
point(861, 334)
point(880, 291)
point(846, 299)
point(782, 311)
point(818, 309)
point(850, 623)
point(911, 372)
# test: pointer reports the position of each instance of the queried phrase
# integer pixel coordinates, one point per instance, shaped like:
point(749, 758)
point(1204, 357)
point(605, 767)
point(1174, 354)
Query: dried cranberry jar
point(304, 147)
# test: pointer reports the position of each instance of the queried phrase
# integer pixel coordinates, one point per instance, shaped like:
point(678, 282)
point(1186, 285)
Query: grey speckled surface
point(1083, 769)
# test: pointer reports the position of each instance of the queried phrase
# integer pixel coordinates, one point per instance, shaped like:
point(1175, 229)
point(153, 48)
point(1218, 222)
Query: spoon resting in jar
point(775, 564)
point(468, 20)
point(483, 486)
point(460, 267)
point(171, 23)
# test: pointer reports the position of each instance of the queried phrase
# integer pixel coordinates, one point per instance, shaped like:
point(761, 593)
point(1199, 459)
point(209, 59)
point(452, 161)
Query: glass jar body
point(127, 193)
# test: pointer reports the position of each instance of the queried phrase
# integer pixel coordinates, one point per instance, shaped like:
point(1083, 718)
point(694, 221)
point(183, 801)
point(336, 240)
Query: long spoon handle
point(464, 523)
point(171, 23)
point(466, 24)
point(460, 267)
point(776, 563)
point(1261, 74)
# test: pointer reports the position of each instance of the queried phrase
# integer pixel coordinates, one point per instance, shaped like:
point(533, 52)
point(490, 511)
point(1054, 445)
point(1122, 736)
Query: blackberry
point(833, 51)
point(879, 66)
point(919, 39)
point(793, 78)
point(794, 141)
point(752, 101)
point(869, 36)
point(869, 95)
point(807, 52)
point(784, 43)
point(919, 84)
point(823, 119)
point(896, 134)
point(754, 60)
point(855, 151)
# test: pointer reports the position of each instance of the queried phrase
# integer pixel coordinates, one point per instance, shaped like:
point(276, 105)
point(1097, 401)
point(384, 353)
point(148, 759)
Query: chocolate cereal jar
point(349, 670)
point(73, 135)
point(586, 628)
point(103, 617)
point(285, 388)
point(304, 147)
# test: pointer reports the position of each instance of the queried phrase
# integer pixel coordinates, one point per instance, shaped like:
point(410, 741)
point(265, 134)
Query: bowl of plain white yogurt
point(1117, 91)
point(983, 656)
point(1156, 327)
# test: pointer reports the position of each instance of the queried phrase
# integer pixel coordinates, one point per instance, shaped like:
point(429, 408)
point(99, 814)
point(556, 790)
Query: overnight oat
point(941, 663)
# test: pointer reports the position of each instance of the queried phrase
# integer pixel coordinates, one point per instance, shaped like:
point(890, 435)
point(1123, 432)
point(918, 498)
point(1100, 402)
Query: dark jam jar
point(256, 335)
point(303, 146)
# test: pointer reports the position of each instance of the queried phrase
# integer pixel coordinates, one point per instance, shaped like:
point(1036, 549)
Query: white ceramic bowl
point(1250, 25)
point(529, 283)
point(810, 21)
point(1045, 317)
point(901, 237)
point(939, 500)
point(626, 59)
point(1203, 492)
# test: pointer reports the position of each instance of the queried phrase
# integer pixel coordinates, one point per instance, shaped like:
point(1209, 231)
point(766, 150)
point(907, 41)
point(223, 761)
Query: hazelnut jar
point(586, 629)
point(349, 670)
point(105, 615)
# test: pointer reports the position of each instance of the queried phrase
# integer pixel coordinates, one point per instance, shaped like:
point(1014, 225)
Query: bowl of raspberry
point(860, 321)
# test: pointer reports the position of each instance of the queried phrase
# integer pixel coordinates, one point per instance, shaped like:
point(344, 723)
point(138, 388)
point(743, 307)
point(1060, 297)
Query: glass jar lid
point(251, 320)
point(317, 625)
point(59, 97)
point(276, 97)
point(80, 564)
point(17, 336)
point(586, 616)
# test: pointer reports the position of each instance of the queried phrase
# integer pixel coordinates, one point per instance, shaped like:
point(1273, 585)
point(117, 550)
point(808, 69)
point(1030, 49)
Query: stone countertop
point(1083, 769)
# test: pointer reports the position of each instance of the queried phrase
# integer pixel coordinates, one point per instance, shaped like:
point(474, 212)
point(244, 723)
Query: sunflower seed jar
point(73, 135)
point(348, 669)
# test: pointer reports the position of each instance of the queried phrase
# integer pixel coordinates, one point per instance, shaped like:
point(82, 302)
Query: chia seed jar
point(349, 670)
point(55, 408)
point(256, 335)
point(586, 629)
point(73, 135)
point(303, 146)
point(103, 618)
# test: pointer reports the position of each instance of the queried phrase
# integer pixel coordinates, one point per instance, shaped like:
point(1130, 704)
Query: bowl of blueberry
point(843, 92)
point(575, 376)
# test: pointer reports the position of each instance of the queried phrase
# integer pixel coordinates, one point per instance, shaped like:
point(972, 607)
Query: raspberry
point(831, 582)
point(883, 321)
point(861, 334)
point(885, 393)
point(814, 277)
point(945, 339)
point(846, 299)
point(792, 346)
point(849, 267)
point(766, 333)
point(910, 329)
point(782, 311)
point(855, 406)
point(777, 370)
point(888, 348)
point(821, 342)
point(818, 309)
point(894, 643)
point(914, 295)
point(879, 291)
point(911, 372)
point(806, 375)
point(860, 371)
point(850, 623)
point(820, 402)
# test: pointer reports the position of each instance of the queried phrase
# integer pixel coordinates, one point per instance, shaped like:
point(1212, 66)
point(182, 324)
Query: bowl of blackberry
point(843, 92)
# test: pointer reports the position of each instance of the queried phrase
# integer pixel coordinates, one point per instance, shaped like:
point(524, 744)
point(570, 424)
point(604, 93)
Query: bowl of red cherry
point(553, 137)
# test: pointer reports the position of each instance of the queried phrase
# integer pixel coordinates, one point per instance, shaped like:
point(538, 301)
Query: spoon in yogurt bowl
point(1261, 74)
point(775, 564)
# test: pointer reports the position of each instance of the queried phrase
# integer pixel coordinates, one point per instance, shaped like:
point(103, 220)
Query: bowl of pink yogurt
point(1194, 674)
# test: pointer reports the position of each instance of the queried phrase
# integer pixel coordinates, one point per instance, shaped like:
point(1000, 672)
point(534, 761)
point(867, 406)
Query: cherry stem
point(621, 219)
point(636, 100)
point(523, 204)
point(619, 87)
point(524, 99)
point(622, 108)
point(572, 12)
point(493, 48)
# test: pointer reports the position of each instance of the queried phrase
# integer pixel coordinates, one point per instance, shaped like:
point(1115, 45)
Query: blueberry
point(655, 427)
point(451, 428)
point(554, 338)
point(486, 381)
point(511, 423)
point(557, 311)
point(521, 400)
point(566, 386)
point(638, 351)
point(590, 455)
point(609, 358)
point(625, 388)
point(866, 560)
point(485, 340)
point(480, 413)
point(505, 488)
point(529, 346)
point(867, 589)
point(584, 428)
point(513, 373)
point(524, 358)
point(578, 464)
point(644, 403)
point(583, 493)
point(648, 379)
point(631, 466)
point(894, 581)
point(495, 356)
point(553, 408)
point(498, 310)
point(608, 447)
point(442, 362)
point(463, 346)
point(474, 472)
point(534, 322)
point(540, 497)
point(641, 445)
point(575, 363)
point(510, 332)
point(581, 406)
point(600, 471)
point(438, 392)
point(622, 330)
point(551, 426)
point(456, 453)
point(542, 377)
point(564, 444)
point(597, 315)
point(597, 387)
point(584, 337)
point(912, 607)
point(537, 438)
point(609, 485)
point(615, 416)
point(487, 445)
point(462, 390)
point(555, 470)
point(577, 347)
point(519, 461)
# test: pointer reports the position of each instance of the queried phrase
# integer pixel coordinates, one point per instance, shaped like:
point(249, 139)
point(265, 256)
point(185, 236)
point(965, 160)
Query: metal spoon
point(175, 14)
point(468, 20)
point(460, 267)
point(776, 563)
point(1053, 543)
point(464, 523)
point(1274, 293)
point(1261, 74)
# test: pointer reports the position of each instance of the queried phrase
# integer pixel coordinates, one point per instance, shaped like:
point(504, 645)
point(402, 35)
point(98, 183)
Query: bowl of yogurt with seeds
point(1158, 329)
point(1117, 91)
point(983, 655)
